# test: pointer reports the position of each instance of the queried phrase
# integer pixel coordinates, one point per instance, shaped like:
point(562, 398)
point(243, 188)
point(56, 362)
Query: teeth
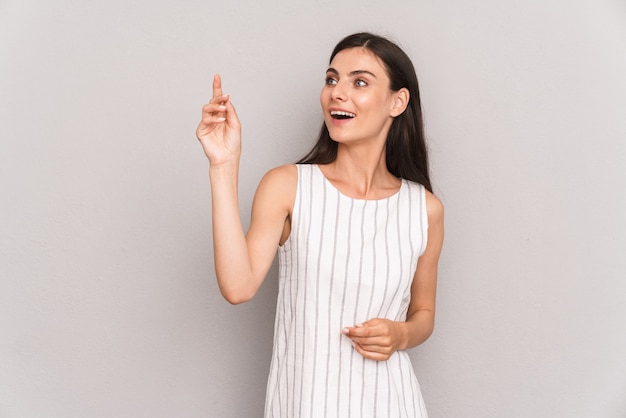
point(342, 114)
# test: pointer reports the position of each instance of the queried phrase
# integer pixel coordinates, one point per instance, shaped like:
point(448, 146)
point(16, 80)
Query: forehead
point(357, 59)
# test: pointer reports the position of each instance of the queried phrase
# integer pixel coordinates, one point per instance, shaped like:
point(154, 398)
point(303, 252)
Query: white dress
point(346, 261)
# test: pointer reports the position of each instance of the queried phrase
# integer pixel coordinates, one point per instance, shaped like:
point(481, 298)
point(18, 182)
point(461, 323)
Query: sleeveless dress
point(346, 261)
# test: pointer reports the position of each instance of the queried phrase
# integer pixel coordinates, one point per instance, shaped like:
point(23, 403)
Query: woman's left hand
point(377, 339)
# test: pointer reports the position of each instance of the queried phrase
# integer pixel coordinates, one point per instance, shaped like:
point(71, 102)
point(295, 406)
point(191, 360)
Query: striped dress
point(346, 261)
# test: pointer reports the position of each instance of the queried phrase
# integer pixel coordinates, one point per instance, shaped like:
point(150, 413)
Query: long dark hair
point(405, 149)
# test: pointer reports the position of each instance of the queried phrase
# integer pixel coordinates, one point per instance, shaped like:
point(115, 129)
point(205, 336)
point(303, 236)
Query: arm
point(241, 261)
point(421, 314)
point(378, 339)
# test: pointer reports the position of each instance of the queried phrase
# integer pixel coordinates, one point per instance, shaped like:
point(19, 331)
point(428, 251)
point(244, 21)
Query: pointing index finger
point(217, 86)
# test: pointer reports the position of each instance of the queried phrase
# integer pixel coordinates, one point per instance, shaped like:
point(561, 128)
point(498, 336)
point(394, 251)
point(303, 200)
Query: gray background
point(108, 301)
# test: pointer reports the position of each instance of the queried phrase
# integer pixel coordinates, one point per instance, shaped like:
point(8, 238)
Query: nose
point(339, 92)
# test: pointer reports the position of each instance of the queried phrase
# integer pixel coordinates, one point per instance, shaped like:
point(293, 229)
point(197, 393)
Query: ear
point(400, 102)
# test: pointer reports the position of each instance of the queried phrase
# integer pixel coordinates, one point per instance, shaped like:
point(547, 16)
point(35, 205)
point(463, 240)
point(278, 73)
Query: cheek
point(324, 95)
point(366, 102)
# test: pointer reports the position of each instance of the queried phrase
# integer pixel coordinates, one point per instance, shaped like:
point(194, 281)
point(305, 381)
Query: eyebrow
point(352, 73)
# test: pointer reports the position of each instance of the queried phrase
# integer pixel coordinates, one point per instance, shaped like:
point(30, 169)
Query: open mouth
point(339, 114)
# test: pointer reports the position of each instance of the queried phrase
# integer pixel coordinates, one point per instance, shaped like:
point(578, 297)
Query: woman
point(358, 232)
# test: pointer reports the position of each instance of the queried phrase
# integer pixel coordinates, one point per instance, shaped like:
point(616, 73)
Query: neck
point(361, 172)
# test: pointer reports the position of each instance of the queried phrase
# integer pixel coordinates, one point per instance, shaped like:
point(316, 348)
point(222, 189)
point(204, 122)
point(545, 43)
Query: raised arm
point(241, 262)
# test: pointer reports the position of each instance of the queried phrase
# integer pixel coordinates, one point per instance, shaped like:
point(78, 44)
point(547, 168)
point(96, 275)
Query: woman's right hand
point(219, 131)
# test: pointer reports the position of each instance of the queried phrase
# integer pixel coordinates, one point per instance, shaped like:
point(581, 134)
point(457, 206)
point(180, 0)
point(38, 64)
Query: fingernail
point(345, 331)
point(220, 119)
point(222, 107)
point(358, 325)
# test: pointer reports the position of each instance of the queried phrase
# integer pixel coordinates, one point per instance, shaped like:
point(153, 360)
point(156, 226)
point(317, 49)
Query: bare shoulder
point(434, 208)
point(284, 178)
point(278, 186)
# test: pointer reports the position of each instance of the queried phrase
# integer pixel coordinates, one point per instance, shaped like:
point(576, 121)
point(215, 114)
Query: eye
point(360, 83)
point(330, 81)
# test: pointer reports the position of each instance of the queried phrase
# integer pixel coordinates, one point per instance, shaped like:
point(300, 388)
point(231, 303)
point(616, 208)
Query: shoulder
point(279, 185)
point(282, 176)
point(435, 227)
point(434, 208)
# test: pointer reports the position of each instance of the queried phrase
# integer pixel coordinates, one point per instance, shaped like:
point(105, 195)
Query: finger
point(357, 331)
point(371, 355)
point(211, 108)
point(217, 86)
point(375, 348)
point(381, 340)
point(209, 120)
point(231, 114)
point(213, 113)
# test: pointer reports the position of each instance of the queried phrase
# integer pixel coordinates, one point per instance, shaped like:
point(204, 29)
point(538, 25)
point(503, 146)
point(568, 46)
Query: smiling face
point(357, 102)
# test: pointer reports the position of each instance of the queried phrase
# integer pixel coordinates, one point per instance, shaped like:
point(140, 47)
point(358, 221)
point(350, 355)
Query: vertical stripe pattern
point(346, 261)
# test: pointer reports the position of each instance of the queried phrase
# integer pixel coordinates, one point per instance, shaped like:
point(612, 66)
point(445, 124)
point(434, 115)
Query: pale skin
point(357, 83)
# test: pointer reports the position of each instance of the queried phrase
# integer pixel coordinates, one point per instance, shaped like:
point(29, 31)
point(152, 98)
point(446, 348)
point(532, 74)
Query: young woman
point(358, 232)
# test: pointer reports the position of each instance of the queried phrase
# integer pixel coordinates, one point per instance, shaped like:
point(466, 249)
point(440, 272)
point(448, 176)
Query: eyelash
point(358, 83)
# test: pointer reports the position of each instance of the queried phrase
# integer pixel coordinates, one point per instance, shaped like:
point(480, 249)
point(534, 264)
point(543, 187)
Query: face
point(357, 102)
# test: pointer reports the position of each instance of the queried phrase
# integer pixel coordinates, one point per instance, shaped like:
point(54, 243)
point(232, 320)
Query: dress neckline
point(331, 185)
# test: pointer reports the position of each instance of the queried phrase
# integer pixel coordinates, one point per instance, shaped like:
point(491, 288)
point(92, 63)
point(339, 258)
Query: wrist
point(402, 328)
point(224, 180)
point(224, 169)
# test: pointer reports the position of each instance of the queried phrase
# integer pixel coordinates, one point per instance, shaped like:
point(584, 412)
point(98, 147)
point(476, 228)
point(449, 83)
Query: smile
point(339, 114)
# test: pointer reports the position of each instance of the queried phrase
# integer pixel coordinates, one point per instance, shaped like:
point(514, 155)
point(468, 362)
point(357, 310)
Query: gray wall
point(108, 302)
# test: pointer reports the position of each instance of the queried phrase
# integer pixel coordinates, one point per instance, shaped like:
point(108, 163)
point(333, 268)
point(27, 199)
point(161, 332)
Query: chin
point(339, 137)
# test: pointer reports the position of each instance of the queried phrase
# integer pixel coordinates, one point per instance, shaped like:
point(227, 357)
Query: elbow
point(237, 297)
point(236, 287)
point(429, 332)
